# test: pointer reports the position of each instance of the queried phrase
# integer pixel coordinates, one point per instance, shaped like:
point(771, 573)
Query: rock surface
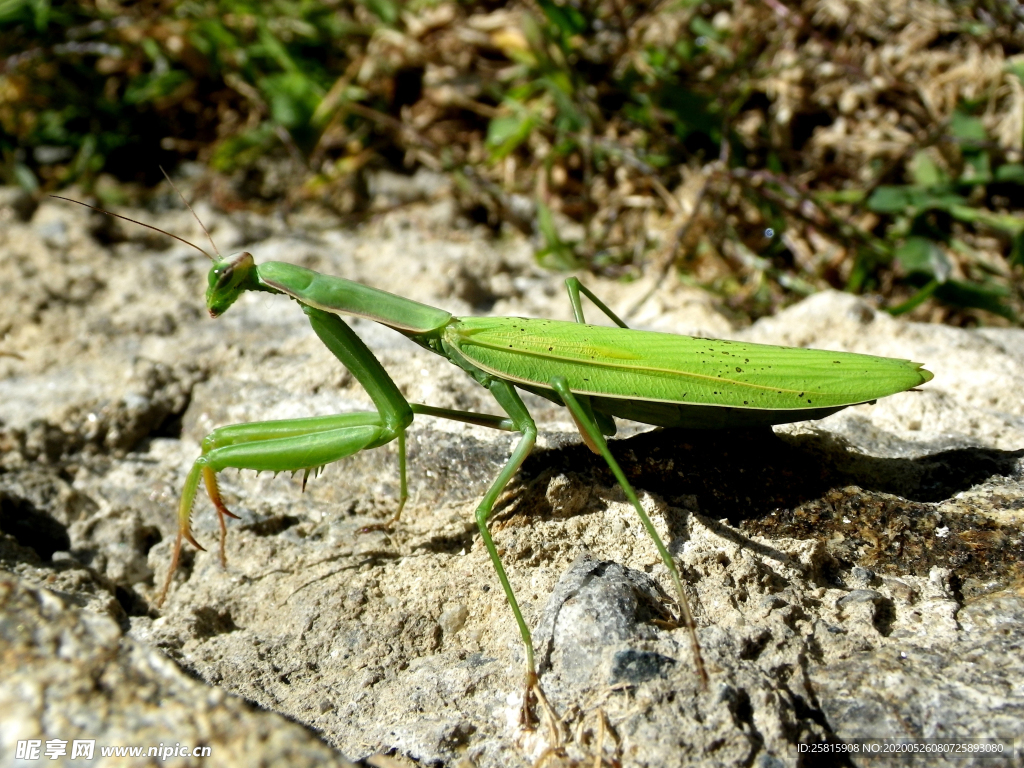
point(70, 675)
point(853, 578)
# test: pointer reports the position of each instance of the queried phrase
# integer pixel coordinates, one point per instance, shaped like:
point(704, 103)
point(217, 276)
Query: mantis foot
point(528, 721)
point(171, 569)
point(388, 524)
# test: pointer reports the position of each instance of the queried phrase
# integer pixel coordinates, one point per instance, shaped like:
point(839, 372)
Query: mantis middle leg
point(513, 405)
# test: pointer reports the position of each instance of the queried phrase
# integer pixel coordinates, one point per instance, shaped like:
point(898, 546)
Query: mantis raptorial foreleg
point(301, 444)
point(291, 445)
point(294, 445)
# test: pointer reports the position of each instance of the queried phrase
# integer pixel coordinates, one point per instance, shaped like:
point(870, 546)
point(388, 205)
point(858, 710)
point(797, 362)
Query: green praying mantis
point(599, 373)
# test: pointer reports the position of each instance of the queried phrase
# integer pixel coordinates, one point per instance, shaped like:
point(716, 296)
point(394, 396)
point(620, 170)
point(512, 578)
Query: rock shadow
point(812, 486)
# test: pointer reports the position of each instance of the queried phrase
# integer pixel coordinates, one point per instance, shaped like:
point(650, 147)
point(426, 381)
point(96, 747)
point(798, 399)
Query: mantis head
point(228, 279)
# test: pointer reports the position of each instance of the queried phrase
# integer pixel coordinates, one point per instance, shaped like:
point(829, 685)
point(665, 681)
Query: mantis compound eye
point(224, 277)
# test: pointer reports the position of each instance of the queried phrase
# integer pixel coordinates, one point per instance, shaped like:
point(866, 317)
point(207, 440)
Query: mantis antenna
point(157, 229)
point(198, 220)
point(133, 221)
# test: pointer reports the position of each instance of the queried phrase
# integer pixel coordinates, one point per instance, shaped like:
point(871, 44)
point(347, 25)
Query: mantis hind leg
point(575, 288)
point(277, 446)
point(605, 422)
point(583, 415)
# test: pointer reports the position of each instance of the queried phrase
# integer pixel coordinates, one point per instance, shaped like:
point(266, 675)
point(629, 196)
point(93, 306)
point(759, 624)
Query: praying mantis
point(598, 373)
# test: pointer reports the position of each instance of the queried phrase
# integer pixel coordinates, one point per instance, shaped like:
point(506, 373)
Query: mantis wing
point(670, 380)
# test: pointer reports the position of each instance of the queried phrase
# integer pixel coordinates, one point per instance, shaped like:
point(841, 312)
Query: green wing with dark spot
point(644, 366)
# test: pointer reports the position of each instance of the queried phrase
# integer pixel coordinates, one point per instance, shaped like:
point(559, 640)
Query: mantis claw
point(213, 491)
point(172, 568)
point(187, 535)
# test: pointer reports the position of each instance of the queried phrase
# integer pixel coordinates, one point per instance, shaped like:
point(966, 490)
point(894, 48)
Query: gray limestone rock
point(70, 676)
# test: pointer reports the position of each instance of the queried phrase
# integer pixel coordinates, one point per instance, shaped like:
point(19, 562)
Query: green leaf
point(923, 256)
point(40, 14)
point(507, 132)
point(967, 128)
point(916, 300)
point(244, 149)
point(977, 168)
point(293, 98)
point(25, 178)
point(385, 10)
point(703, 28)
point(17, 11)
point(976, 296)
point(888, 199)
point(11, 11)
point(556, 253)
point(1017, 249)
point(568, 19)
point(841, 196)
point(215, 41)
point(1002, 221)
point(150, 87)
point(569, 117)
point(926, 172)
point(84, 160)
point(1010, 172)
point(273, 48)
point(906, 199)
